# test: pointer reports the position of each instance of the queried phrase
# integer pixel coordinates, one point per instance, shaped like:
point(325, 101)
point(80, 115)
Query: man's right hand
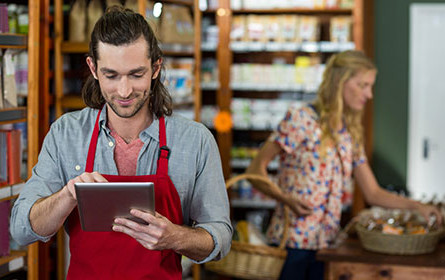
point(94, 177)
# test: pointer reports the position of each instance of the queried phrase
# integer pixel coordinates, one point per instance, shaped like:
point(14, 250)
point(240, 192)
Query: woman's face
point(358, 89)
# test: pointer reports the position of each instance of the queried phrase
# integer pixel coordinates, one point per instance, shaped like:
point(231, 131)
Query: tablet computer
point(100, 203)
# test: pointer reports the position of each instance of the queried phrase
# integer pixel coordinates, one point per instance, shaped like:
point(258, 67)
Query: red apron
point(114, 255)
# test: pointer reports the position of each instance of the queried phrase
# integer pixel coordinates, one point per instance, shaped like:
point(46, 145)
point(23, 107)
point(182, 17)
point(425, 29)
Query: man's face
point(125, 75)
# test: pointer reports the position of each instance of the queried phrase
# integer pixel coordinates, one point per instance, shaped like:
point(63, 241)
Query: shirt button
point(110, 144)
point(77, 167)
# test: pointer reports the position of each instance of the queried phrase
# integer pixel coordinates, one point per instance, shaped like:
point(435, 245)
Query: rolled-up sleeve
point(210, 204)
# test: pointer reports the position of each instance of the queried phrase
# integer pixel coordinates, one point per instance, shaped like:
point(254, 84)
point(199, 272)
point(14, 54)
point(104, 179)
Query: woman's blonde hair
point(329, 102)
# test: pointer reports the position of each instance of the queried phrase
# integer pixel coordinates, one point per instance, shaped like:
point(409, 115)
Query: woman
point(321, 148)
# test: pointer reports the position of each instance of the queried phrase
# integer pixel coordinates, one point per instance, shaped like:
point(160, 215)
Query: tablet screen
point(100, 203)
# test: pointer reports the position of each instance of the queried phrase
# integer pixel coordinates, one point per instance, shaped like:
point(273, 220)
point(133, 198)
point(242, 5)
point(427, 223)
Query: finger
point(98, 177)
point(158, 215)
point(146, 216)
point(130, 224)
point(145, 233)
point(123, 228)
point(304, 211)
point(304, 205)
point(71, 189)
point(90, 178)
point(439, 217)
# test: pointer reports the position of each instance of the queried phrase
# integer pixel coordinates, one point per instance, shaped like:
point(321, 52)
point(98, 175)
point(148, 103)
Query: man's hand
point(84, 178)
point(159, 234)
point(300, 208)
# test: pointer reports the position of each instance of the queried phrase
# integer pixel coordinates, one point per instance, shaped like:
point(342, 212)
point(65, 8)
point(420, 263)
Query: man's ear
point(156, 68)
point(92, 66)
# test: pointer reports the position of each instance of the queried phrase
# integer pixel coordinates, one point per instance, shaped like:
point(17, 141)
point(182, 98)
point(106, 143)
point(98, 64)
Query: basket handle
point(266, 180)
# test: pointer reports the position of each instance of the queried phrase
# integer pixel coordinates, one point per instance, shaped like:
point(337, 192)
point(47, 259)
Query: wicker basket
point(405, 244)
point(249, 261)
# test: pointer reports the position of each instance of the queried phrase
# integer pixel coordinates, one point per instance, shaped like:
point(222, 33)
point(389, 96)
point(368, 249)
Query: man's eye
point(111, 77)
point(138, 75)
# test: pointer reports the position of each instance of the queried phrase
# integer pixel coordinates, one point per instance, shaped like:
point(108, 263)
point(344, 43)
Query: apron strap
point(93, 143)
point(164, 151)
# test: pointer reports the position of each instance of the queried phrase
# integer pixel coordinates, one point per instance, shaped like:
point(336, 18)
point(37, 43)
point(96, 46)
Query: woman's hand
point(427, 211)
point(300, 208)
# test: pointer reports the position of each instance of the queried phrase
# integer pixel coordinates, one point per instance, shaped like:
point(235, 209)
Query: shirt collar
point(150, 132)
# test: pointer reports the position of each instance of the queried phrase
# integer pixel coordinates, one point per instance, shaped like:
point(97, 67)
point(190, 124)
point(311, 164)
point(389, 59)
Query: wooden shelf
point(177, 50)
point(74, 47)
point(209, 11)
point(294, 11)
point(13, 41)
point(9, 192)
point(14, 255)
point(13, 115)
point(178, 53)
point(72, 101)
point(249, 203)
point(83, 47)
point(293, 47)
point(178, 2)
point(9, 197)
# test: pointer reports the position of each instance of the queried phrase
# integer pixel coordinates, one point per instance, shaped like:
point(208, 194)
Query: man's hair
point(119, 27)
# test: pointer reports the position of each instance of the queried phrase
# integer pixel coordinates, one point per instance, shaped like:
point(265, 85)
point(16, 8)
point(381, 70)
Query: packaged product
point(78, 21)
point(340, 29)
point(309, 29)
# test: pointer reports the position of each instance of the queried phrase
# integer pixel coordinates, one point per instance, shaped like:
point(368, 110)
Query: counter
point(350, 262)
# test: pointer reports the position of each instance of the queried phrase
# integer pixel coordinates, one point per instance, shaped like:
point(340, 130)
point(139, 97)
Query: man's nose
point(124, 89)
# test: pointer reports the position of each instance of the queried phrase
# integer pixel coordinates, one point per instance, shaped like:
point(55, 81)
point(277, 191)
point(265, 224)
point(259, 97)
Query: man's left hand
point(159, 234)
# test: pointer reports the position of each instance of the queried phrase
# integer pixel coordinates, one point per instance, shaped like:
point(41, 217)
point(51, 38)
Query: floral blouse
point(322, 182)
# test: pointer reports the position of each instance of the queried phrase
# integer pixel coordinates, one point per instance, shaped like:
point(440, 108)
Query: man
point(129, 131)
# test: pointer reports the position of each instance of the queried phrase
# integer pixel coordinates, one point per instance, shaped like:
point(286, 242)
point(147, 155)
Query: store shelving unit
point(28, 114)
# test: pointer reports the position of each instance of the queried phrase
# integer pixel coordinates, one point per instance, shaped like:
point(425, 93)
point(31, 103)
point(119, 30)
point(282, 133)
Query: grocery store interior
point(237, 66)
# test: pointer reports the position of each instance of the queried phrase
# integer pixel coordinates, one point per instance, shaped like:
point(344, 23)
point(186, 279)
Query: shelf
point(294, 11)
point(12, 115)
point(209, 85)
point(9, 192)
point(13, 41)
point(167, 49)
point(308, 47)
point(243, 163)
point(74, 47)
point(177, 49)
point(72, 101)
point(15, 255)
point(183, 105)
point(178, 2)
point(209, 46)
point(209, 11)
point(267, 87)
point(247, 203)
point(177, 53)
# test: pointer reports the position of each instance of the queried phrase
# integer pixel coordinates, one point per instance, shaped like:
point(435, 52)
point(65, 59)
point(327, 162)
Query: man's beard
point(137, 107)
